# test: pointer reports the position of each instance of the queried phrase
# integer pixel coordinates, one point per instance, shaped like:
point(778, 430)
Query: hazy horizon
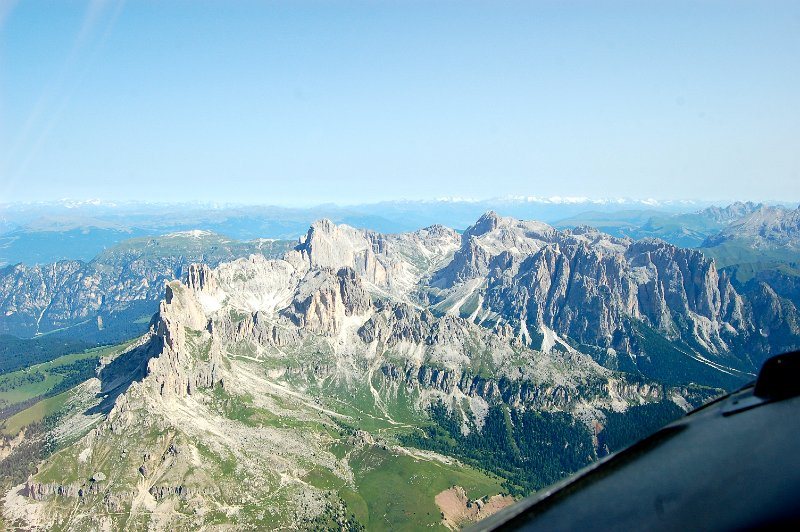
point(77, 203)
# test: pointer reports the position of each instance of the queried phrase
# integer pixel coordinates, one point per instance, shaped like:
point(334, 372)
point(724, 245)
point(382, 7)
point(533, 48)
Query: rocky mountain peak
point(199, 278)
point(328, 245)
point(767, 227)
point(485, 224)
point(732, 212)
point(438, 231)
point(181, 327)
point(390, 264)
point(326, 298)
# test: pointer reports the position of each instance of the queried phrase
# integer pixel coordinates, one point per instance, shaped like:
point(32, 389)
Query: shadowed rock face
point(177, 370)
point(588, 286)
point(198, 278)
point(325, 298)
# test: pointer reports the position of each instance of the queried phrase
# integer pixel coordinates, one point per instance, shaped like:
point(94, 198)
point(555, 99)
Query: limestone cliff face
point(330, 246)
point(39, 491)
point(200, 279)
point(774, 319)
point(184, 332)
point(257, 327)
point(490, 236)
point(397, 323)
point(471, 261)
point(522, 394)
point(325, 299)
point(588, 286)
point(390, 262)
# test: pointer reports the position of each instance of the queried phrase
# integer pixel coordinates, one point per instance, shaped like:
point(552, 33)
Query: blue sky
point(309, 102)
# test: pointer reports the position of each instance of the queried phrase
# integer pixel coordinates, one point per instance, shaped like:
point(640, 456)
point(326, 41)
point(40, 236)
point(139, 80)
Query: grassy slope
point(20, 393)
point(35, 413)
point(31, 390)
point(398, 490)
point(393, 490)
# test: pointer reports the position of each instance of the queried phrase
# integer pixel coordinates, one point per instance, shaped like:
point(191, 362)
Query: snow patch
point(193, 233)
point(549, 340)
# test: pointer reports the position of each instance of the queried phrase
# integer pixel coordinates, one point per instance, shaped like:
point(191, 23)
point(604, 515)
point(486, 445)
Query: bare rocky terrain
point(292, 392)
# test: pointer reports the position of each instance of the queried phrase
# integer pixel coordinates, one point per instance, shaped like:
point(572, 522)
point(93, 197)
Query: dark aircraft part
point(733, 464)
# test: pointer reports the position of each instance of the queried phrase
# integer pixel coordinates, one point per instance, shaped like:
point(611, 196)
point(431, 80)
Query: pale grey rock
point(585, 285)
point(175, 371)
point(200, 279)
point(767, 227)
point(325, 298)
point(41, 298)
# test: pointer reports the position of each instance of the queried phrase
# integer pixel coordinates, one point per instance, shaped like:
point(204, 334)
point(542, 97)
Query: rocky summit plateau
point(369, 380)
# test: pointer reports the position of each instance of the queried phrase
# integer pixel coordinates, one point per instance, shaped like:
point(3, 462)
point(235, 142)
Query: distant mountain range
point(121, 285)
point(686, 229)
point(111, 297)
point(747, 240)
point(48, 232)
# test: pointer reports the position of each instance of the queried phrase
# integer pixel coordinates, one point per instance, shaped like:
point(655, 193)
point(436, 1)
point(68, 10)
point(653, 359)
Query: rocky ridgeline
point(526, 279)
point(94, 487)
point(255, 326)
point(765, 227)
point(393, 323)
point(91, 490)
point(531, 287)
point(587, 286)
point(525, 394)
point(177, 370)
point(589, 295)
point(325, 298)
point(200, 279)
point(730, 213)
point(40, 298)
point(330, 302)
